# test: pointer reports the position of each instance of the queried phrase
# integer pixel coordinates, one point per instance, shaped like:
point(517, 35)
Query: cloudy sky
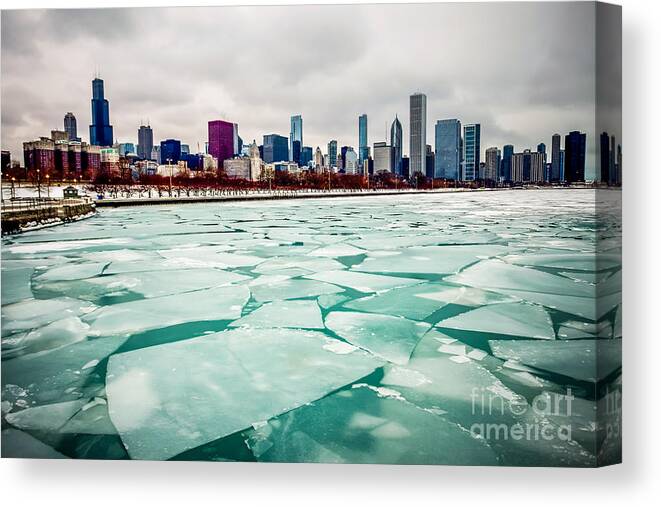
point(524, 71)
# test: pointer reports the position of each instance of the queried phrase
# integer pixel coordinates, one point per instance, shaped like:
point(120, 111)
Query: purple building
point(223, 140)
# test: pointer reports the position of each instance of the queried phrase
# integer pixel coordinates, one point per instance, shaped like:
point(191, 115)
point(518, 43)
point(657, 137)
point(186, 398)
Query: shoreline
point(266, 196)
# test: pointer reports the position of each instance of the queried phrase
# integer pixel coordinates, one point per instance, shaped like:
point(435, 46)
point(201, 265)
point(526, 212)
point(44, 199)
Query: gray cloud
point(523, 70)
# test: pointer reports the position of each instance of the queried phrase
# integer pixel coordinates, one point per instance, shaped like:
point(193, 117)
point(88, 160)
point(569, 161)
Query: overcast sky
point(524, 71)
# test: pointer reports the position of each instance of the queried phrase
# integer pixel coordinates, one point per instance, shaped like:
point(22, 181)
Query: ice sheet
point(517, 319)
point(429, 259)
point(161, 408)
point(392, 338)
point(362, 282)
point(388, 429)
point(588, 360)
point(283, 314)
point(221, 303)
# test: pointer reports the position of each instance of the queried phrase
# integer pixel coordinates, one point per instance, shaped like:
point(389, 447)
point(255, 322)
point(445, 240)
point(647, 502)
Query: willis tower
point(100, 129)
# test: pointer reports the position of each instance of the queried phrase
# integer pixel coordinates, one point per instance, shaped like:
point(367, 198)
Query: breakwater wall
point(17, 220)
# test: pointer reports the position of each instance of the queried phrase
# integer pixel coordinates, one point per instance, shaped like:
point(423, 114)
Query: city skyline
point(180, 106)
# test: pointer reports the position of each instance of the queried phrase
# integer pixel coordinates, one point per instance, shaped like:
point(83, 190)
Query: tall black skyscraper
point(145, 142)
point(70, 126)
point(605, 156)
point(100, 129)
point(506, 162)
point(575, 156)
point(555, 157)
point(396, 142)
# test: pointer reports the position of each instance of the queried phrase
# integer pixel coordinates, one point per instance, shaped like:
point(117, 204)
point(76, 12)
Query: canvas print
point(373, 234)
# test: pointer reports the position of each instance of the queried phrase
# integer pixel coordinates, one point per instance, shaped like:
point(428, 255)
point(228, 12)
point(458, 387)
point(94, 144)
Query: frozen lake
point(405, 329)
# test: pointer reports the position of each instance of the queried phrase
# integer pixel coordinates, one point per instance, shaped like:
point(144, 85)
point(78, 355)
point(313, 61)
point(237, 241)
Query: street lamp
point(13, 190)
point(38, 183)
point(48, 185)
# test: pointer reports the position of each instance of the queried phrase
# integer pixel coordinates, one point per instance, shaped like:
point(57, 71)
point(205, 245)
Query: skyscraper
point(170, 151)
point(471, 152)
point(555, 157)
point(492, 163)
point(295, 138)
point(604, 157)
point(396, 141)
point(429, 161)
point(306, 156)
point(145, 142)
point(448, 149)
point(418, 133)
point(382, 158)
point(100, 129)
point(351, 161)
point(276, 148)
point(506, 171)
point(541, 148)
point(318, 159)
point(70, 126)
point(342, 158)
point(363, 149)
point(222, 135)
point(332, 153)
point(575, 156)
point(612, 177)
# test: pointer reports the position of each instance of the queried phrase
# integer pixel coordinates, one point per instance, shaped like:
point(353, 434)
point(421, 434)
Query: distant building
point(109, 166)
point(541, 148)
point(100, 129)
point(406, 173)
point(528, 167)
point(555, 158)
point(417, 133)
point(6, 162)
point(276, 148)
point(238, 167)
point(491, 164)
point(447, 163)
point(170, 151)
point(342, 156)
point(306, 156)
point(429, 162)
point(223, 140)
point(71, 127)
point(604, 157)
point(618, 165)
point(126, 149)
point(156, 154)
point(396, 141)
point(61, 159)
point(471, 164)
point(296, 138)
point(145, 142)
point(383, 158)
point(575, 156)
point(351, 162)
point(363, 148)
point(288, 167)
point(332, 153)
point(318, 159)
point(506, 163)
